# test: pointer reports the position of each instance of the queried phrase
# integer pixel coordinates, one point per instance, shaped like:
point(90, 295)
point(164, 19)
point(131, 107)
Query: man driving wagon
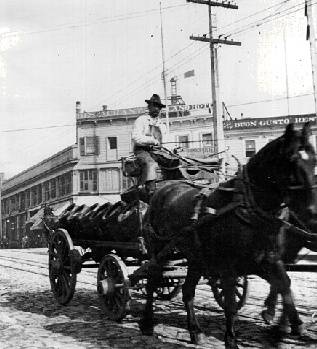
point(148, 131)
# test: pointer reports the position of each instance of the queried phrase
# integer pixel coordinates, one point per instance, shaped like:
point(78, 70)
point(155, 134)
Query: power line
point(269, 100)
point(254, 14)
point(184, 60)
point(269, 18)
point(148, 72)
point(176, 65)
point(131, 15)
point(35, 128)
point(230, 105)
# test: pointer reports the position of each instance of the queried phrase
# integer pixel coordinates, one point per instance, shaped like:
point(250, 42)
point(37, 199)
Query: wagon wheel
point(168, 289)
point(113, 287)
point(241, 291)
point(61, 275)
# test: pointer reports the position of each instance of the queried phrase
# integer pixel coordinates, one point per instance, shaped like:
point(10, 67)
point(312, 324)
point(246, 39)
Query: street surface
point(30, 317)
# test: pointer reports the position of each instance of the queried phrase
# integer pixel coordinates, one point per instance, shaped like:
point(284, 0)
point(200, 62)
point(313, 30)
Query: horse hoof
point(146, 328)
point(197, 338)
point(267, 317)
point(276, 333)
point(231, 344)
point(299, 331)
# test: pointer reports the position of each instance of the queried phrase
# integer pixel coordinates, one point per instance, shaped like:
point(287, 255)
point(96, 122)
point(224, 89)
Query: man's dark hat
point(156, 100)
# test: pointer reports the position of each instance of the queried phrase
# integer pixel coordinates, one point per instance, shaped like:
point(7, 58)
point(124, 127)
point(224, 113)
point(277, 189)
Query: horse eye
point(303, 154)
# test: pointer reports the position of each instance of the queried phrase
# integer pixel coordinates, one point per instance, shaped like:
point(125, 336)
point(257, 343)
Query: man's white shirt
point(143, 134)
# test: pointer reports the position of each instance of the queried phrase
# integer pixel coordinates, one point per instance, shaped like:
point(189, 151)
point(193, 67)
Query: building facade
point(90, 170)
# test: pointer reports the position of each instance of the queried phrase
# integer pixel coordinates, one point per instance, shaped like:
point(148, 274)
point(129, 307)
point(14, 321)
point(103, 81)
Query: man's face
point(154, 110)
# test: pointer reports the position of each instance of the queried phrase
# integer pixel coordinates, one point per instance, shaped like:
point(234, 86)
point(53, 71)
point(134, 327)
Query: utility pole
point(216, 105)
point(311, 14)
point(164, 75)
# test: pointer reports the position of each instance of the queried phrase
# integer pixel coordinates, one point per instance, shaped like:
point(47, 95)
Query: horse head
point(283, 167)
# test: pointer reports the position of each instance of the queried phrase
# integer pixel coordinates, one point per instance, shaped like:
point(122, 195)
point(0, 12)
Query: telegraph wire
point(35, 128)
point(131, 15)
point(229, 105)
point(270, 100)
point(269, 18)
point(154, 79)
point(159, 66)
point(195, 54)
point(248, 27)
point(254, 14)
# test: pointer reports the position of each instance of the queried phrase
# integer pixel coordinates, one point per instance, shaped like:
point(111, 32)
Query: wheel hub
point(106, 286)
point(56, 266)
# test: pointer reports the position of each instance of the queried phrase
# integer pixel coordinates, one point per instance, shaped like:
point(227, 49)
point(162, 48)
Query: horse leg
point(146, 323)
point(270, 304)
point(188, 290)
point(230, 309)
point(282, 283)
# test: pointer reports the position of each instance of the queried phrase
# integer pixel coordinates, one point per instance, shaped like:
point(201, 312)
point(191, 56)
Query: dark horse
point(236, 231)
point(292, 243)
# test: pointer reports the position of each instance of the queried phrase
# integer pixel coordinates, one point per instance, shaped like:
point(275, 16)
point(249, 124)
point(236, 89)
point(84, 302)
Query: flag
point(189, 73)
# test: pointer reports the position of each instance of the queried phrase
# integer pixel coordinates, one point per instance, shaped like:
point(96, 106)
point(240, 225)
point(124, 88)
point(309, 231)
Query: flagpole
point(286, 71)
point(163, 74)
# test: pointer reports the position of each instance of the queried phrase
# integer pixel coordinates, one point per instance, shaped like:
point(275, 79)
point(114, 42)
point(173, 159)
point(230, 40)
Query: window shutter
point(82, 145)
point(96, 140)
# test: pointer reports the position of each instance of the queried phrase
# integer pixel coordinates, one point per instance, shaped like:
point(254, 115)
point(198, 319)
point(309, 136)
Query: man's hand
point(156, 142)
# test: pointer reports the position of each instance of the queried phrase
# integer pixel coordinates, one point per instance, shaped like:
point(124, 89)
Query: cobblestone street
point(30, 317)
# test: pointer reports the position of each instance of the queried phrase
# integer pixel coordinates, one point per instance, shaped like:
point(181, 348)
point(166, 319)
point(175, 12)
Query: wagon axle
point(108, 286)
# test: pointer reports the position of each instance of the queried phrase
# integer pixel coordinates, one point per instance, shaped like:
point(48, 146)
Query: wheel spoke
point(238, 294)
point(116, 296)
point(63, 281)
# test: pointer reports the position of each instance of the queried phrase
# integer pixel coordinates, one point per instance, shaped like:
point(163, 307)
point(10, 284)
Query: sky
point(54, 53)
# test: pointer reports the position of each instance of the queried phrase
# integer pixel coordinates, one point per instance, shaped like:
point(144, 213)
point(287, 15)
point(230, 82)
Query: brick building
point(90, 170)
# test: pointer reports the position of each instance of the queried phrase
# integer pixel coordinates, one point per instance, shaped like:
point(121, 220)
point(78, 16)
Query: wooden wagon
point(110, 237)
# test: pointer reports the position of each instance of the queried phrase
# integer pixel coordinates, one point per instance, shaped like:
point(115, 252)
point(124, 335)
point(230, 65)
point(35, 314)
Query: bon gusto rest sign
point(268, 122)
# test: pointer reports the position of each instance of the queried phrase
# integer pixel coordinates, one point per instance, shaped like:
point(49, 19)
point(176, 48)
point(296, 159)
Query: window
point(22, 201)
point(183, 141)
point(64, 184)
point(6, 206)
point(33, 196)
point(206, 139)
point(207, 143)
point(249, 147)
point(111, 148)
point(112, 142)
point(112, 180)
point(68, 183)
point(27, 198)
point(126, 182)
point(53, 188)
point(88, 180)
point(47, 191)
point(89, 145)
point(36, 195)
point(39, 194)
